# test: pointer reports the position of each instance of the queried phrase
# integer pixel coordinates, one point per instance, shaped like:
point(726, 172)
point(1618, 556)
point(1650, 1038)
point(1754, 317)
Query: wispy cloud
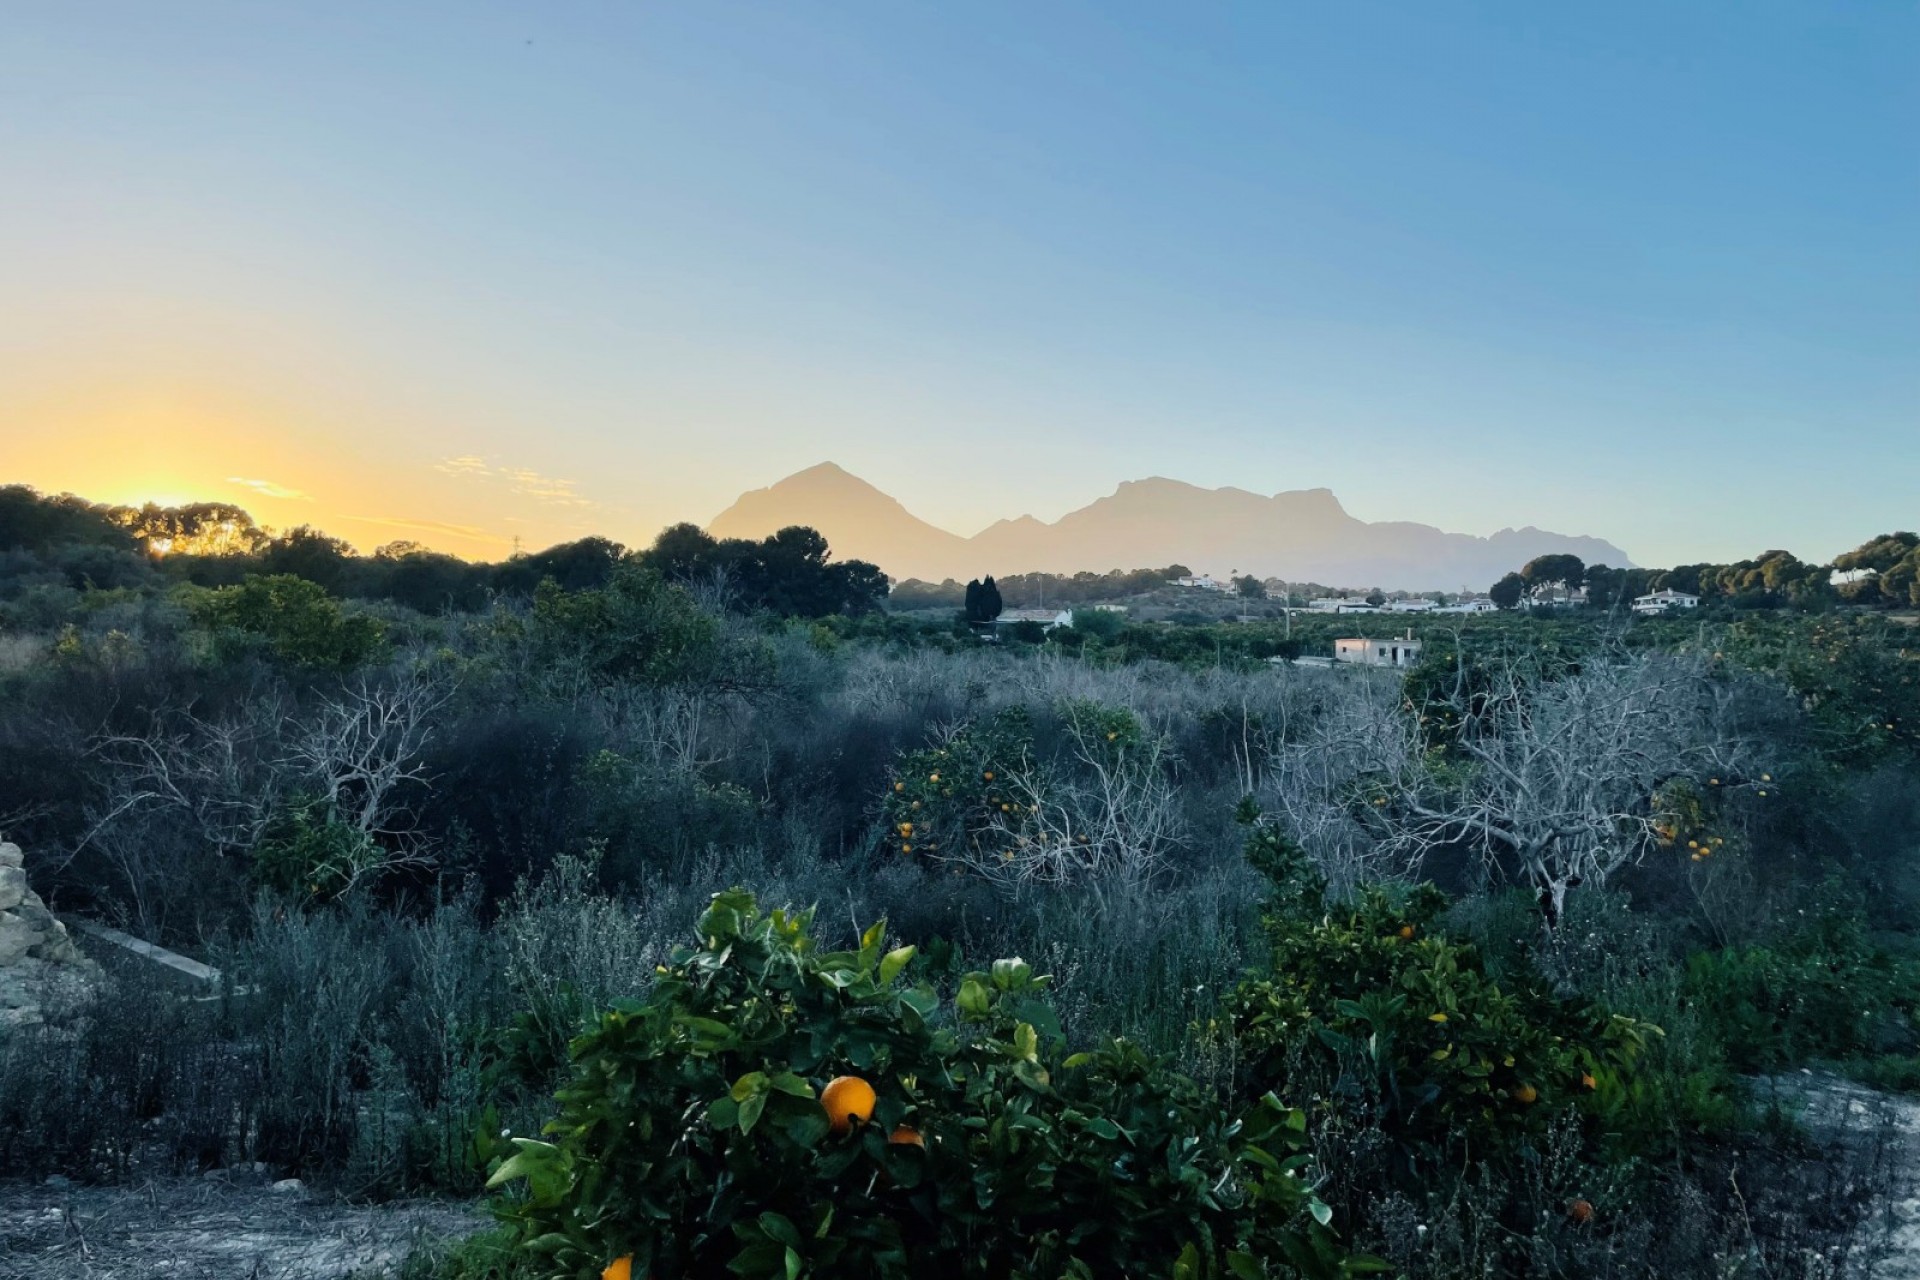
point(472, 532)
point(524, 481)
point(269, 489)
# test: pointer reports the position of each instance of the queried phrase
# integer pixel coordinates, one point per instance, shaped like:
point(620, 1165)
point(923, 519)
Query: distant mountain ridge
point(1299, 535)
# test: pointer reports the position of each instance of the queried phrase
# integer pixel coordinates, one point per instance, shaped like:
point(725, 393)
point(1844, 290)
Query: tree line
point(66, 541)
point(1884, 571)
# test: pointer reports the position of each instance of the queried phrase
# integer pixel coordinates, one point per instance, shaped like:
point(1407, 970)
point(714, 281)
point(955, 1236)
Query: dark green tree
point(1507, 592)
point(1553, 571)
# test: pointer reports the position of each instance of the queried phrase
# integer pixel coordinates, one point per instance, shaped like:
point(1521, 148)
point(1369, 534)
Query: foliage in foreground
point(693, 1137)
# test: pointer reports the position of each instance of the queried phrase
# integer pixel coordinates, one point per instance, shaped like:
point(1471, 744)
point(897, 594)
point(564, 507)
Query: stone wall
point(35, 952)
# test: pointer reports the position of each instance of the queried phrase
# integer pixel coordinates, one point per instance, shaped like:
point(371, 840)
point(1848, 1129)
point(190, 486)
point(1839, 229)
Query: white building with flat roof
point(1378, 653)
point(1664, 599)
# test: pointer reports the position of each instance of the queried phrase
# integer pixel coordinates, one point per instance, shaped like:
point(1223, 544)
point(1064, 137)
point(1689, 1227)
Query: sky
point(472, 273)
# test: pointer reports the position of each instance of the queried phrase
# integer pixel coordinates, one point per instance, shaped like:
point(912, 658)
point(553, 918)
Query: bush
point(295, 618)
point(694, 1138)
point(1406, 1025)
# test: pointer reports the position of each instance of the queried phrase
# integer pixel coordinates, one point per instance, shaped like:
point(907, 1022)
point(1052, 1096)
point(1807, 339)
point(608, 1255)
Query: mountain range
point(1301, 535)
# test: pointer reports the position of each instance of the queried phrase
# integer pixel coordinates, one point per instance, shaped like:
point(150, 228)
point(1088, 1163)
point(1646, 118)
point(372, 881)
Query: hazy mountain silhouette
point(1303, 535)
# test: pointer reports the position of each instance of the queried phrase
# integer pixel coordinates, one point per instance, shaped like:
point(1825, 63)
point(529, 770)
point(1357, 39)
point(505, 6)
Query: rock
point(17, 937)
point(13, 887)
point(289, 1186)
point(58, 1181)
point(38, 961)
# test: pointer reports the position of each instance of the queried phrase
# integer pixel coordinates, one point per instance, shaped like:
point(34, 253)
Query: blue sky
point(1650, 272)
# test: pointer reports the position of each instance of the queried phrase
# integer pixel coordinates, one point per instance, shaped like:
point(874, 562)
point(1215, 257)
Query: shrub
point(295, 618)
point(693, 1138)
point(309, 852)
point(1406, 1024)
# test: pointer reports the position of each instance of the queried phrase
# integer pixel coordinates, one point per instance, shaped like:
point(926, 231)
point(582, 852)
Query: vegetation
point(1479, 969)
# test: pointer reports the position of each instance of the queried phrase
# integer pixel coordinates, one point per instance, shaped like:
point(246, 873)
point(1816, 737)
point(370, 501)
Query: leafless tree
point(217, 774)
point(217, 784)
point(1563, 780)
point(1102, 813)
point(1340, 749)
point(357, 749)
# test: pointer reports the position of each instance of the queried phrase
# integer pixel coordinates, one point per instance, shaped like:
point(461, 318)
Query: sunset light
point(973, 641)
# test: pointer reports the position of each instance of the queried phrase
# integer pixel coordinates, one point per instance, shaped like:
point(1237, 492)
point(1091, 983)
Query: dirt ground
point(211, 1229)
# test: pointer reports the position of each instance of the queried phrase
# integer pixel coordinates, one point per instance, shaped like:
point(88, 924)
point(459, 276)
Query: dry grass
point(216, 1228)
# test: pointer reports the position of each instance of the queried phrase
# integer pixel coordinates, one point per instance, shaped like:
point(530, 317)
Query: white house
point(1203, 581)
point(1664, 599)
point(1479, 604)
point(1047, 618)
point(1553, 595)
point(1410, 606)
point(1378, 653)
point(1333, 604)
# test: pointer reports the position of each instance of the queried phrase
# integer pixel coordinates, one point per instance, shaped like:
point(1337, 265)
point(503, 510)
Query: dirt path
point(211, 1230)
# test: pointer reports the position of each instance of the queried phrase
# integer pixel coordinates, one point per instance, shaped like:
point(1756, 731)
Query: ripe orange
point(906, 1136)
point(899, 786)
point(848, 1101)
point(1587, 1081)
point(988, 775)
point(618, 1269)
point(1526, 1095)
point(1581, 1211)
point(1406, 931)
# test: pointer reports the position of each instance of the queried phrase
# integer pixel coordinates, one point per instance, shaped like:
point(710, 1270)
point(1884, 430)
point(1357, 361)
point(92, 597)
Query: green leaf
point(1322, 1213)
point(789, 1083)
point(749, 1084)
point(532, 1158)
point(894, 962)
point(974, 998)
point(875, 932)
point(750, 1111)
point(1244, 1266)
point(779, 1227)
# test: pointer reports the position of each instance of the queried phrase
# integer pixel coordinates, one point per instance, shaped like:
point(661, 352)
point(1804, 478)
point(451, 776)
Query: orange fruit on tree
point(906, 1136)
point(1581, 1211)
point(1526, 1095)
point(618, 1269)
point(1406, 931)
point(848, 1101)
point(1587, 1081)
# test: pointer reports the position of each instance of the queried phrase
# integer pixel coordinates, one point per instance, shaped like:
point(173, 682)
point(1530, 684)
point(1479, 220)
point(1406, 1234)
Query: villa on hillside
point(1664, 599)
point(1402, 652)
point(1202, 581)
point(1334, 604)
point(1479, 604)
point(1411, 606)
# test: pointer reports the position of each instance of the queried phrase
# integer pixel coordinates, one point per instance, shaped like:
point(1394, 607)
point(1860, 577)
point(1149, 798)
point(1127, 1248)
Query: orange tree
point(692, 1140)
point(1392, 1017)
point(954, 800)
